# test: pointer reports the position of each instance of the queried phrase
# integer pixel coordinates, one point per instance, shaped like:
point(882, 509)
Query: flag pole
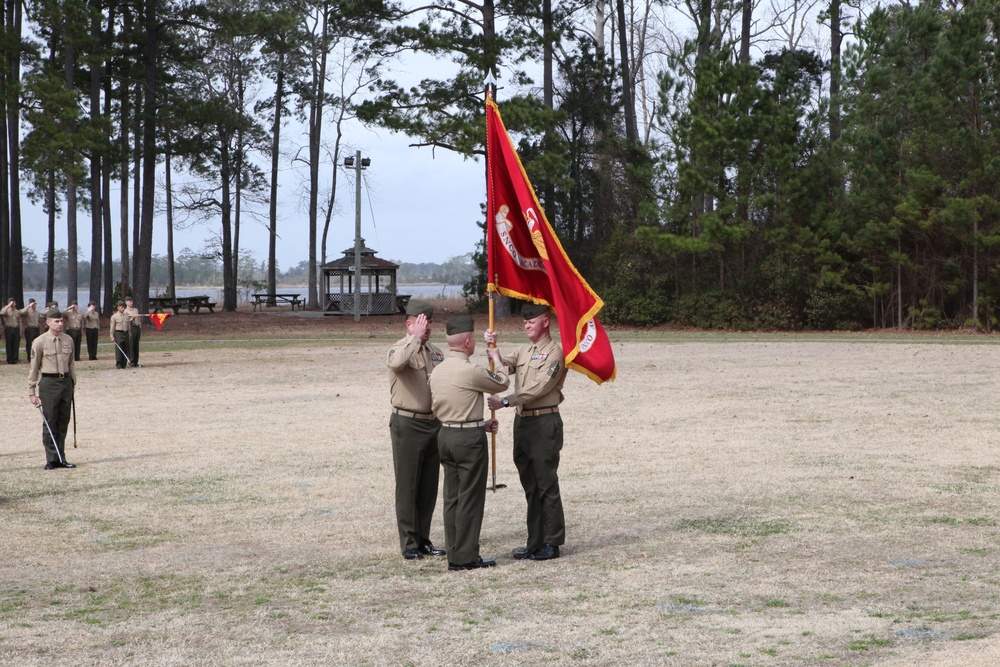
point(493, 413)
point(490, 85)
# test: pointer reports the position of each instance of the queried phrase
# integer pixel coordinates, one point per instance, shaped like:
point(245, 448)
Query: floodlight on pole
point(358, 163)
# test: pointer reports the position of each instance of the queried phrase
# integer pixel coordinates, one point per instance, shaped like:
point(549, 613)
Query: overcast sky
point(417, 205)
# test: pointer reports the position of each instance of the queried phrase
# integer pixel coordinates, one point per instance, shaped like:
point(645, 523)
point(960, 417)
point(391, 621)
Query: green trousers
point(12, 338)
point(77, 336)
point(134, 334)
point(30, 334)
point(121, 345)
point(56, 396)
point(465, 461)
point(417, 466)
point(537, 444)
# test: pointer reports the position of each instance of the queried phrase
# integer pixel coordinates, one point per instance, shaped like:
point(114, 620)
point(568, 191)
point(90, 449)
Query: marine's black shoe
point(480, 562)
point(548, 552)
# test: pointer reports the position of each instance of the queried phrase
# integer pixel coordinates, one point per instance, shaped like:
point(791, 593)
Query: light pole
point(358, 163)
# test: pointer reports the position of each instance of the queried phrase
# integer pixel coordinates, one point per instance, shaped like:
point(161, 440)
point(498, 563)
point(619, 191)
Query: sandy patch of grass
point(730, 501)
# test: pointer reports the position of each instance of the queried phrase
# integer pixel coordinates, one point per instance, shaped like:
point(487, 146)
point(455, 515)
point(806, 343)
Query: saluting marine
point(413, 430)
point(11, 317)
point(32, 325)
point(91, 327)
point(74, 326)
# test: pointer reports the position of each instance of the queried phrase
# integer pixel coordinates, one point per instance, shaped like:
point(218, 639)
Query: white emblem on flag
point(504, 225)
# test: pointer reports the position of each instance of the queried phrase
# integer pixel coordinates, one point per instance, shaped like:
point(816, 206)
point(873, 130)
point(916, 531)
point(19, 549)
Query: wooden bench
point(261, 299)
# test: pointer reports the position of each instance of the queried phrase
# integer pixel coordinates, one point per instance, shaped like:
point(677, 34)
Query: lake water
point(215, 293)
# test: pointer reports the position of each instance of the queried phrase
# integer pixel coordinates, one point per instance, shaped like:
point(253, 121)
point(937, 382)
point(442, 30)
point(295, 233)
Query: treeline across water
point(198, 269)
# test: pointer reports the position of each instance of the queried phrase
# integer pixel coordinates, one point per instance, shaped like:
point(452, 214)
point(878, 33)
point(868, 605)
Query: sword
point(73, 404)
point(55, 443)
point(123, 352)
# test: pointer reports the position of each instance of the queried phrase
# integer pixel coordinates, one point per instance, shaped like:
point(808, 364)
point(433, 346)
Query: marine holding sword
point(51, 382)
point(119, 336)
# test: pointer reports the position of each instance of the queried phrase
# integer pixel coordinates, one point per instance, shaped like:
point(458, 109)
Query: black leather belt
point(538, 411)
point(54, 375)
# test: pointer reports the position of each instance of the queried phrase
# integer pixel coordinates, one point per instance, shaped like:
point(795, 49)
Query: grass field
point(730, 500)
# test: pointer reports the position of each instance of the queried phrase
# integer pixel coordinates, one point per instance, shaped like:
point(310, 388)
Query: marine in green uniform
point(51, 381)
point(539, 373)
point(413, 430)
point(457, 388)
point(119, 335)
point(11, 317)
point(32, 321)
point(74, 327)
point(92, 328)
point(134, 331)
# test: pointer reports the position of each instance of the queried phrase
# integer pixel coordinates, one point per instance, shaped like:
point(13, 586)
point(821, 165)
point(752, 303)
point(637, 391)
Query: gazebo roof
point(368, 261)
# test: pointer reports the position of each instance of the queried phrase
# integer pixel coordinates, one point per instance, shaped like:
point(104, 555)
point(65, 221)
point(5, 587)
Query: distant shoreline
point(421, 291)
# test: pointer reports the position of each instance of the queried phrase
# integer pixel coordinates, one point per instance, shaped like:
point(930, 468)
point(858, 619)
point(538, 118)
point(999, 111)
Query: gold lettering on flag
point(504, 225)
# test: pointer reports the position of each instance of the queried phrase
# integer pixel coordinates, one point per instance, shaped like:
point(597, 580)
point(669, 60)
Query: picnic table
point(261, 299)
point(193, 304)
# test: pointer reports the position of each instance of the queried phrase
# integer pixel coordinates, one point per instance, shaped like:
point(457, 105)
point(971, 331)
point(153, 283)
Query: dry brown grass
point(731, 500)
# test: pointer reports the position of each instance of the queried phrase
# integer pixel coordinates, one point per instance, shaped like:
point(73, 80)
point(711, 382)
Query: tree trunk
point(138, 134)
point(745, 28)
point(975, 273)
point(109, 269)
point(279, 97)
point(239, 164)
point(50, 266)
point(169, 194)
point(228, 286)
point(144, 250)
point(96, 194)
point(15, 277)
point(628, 92)
point(5, 110)
point(836, 37)
point(548, 96)
point(71, 241)
point(315, 136)
point(123, 201)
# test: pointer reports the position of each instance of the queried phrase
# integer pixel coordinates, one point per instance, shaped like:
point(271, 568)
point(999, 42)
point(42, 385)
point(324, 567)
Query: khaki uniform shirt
point(91, 319)
point(11, 316)
point(51, 354)
point(539, 373)
point(133, 316)
point(119, 322)
point(410, 364)
point(72, 319)
point(457, 388)
point(31, 317)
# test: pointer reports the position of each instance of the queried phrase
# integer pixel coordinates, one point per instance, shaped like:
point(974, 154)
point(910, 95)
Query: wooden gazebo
point(376, 287)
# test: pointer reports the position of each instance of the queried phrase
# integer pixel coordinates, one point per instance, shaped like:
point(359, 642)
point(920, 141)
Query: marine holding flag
point(526, 261)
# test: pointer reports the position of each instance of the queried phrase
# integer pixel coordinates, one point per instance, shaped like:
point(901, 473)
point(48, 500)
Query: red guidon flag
point(159, 318)
point(526, 260)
